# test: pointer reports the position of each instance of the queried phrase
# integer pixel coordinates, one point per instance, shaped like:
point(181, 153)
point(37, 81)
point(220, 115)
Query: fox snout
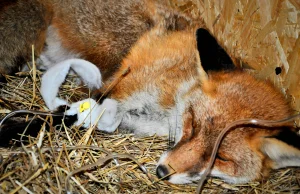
point(162, 172)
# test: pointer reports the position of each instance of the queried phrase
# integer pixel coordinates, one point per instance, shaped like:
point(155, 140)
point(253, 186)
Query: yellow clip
point(84, 106)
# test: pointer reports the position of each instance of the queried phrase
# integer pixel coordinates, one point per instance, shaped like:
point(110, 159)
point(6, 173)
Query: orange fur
point(164, 67)
point(167, 61)
point(104, 31)
point(156, 66)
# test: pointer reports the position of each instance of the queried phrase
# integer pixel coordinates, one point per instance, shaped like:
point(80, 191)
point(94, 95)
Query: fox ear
point(213, 57)
point(210, 57)
point(283, 149)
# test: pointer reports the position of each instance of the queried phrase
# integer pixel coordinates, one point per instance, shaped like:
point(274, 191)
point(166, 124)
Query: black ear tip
point(213, 57)
point(200, 31)
point(204, 36)
point(289, 136)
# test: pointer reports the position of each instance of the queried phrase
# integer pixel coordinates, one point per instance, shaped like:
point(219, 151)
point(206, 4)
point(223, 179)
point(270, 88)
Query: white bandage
point(89, 113)
point(56, 75)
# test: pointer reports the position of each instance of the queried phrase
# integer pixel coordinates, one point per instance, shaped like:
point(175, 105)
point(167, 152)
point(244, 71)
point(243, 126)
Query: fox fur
point(166, 89)
point(22, 24)
point(116, 25)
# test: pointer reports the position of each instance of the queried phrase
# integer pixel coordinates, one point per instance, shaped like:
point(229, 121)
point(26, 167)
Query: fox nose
point(162, 172)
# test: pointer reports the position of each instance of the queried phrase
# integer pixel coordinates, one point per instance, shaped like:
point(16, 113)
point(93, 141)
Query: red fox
point(166, 90)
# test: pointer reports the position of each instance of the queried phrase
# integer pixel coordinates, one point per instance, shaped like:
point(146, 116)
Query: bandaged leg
point(56, 75)
point(90, 113)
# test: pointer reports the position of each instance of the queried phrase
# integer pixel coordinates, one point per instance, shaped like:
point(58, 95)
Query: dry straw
point(260, 34)
point(44, 165)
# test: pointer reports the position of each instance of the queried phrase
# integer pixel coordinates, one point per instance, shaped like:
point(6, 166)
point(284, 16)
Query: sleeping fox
point(167, 91)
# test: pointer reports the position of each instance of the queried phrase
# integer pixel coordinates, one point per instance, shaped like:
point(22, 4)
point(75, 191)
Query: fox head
point(246, 153)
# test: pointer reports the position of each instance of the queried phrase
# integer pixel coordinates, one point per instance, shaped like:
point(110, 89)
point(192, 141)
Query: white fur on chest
point(142, 114)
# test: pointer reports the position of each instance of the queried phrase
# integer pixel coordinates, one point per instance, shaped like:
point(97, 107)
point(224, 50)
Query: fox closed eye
point(222, 158)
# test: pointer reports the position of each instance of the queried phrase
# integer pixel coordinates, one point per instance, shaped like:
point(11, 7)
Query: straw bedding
point(45, 163)
point(260, 35)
